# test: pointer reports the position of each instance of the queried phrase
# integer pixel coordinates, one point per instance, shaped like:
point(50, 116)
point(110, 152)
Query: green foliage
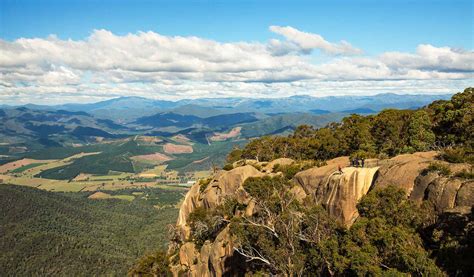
point(451, 239)
point(458, 155)
point(205, 224)
point(288, 170)
point(439, 168)
point(151, 264)
point(285, 237)
point(453, 120)
point(203, 183)
point(228, 167)
point(26, 167)
point(263, 188)
point(46, 233)
point(234, 155)
point(420, 135)
point(464, 174)
point(390, 204)
point(384, 237)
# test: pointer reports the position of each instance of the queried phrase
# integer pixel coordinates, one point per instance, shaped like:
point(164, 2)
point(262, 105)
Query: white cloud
point(306, 42)
point(430, 58)
point(149, 64)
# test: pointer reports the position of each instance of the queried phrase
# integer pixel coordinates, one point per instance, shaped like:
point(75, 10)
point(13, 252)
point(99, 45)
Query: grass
point(26, 167)
point(124, 197)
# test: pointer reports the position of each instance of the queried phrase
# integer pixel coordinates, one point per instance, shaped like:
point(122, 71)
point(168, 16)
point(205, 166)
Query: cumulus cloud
point(306, 42)
point(430, 58)
point(153, 65)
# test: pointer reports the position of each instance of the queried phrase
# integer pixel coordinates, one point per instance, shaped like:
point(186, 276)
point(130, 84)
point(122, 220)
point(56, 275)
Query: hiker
point(339, 169)
point(363, 162)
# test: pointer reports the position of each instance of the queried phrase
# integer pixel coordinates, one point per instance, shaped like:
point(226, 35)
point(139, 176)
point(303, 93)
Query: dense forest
point(45, 233)
point(443, 125)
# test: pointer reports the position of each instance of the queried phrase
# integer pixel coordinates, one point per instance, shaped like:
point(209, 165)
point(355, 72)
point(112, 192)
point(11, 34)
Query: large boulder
point(190, 203)
point(465, 195)
point(313, 178)
point(402, 170)
point(228, 183)
point(282, 161)
point(444, 193)
point(342, 191)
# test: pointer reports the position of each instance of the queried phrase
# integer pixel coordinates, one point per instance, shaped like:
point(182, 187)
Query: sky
point(84, 51)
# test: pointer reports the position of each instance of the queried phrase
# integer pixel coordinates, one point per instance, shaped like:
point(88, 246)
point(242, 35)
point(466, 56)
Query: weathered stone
point(227, 184)
point(341, 193)
point(282, 161)
point(298, 192)
point(465, 195)
point(312, 178)
point(401, 171)
point(188, 255)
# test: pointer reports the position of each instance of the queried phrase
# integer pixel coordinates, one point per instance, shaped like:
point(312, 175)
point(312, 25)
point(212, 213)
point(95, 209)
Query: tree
point(420, 135)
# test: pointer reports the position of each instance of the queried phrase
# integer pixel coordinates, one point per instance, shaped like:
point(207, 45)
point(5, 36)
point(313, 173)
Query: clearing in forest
point(235, 132)
point(171, 148)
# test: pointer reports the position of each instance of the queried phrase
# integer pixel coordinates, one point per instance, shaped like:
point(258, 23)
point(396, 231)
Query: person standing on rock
point(363, 162)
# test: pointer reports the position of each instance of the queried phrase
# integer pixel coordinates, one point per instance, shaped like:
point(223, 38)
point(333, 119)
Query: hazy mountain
point(128, 109)
point(52, 128)
point(287, 122)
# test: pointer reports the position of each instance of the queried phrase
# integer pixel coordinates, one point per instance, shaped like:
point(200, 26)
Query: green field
point(26, 167)
point(117, 157)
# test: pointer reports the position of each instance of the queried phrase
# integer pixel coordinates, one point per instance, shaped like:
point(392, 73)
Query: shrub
point(288, 170)
point(152, 264)
point(439, 168)
point(464, 174)
point(228, 167)
point(203, 183)
point(205, 224)
point(456, 155)
point(263, 188)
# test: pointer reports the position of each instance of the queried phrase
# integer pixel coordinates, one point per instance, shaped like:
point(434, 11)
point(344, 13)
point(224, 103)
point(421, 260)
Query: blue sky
point(420, 31)
point(376, 25)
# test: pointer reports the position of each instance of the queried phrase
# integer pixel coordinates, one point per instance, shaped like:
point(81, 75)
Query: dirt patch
point(201, 160)
point(155, 157)
point(182, 139)
point(17, 164)
point(81, 177)
point(235, 132)
point(147, 175)
point(100, 195)
point(171, 148)
point(149, 139)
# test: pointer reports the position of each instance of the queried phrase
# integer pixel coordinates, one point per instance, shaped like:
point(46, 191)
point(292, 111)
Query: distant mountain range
point(127, 109)
point(38, 126)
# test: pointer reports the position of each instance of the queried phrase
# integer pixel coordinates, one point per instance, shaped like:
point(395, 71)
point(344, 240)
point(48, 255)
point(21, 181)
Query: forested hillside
point(53, 234)
point(444, 124)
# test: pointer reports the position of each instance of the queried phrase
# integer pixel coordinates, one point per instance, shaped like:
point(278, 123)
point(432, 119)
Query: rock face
point(338, 191)
point(401, 171)
point(313, 178)
point(213, 259)
point(444, 193)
